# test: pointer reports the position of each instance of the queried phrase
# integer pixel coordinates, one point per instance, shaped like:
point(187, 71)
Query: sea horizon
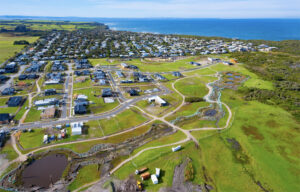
point(275, 29)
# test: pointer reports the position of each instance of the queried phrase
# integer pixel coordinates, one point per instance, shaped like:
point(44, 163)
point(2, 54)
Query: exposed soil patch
point(253, 131)
point(179, 184)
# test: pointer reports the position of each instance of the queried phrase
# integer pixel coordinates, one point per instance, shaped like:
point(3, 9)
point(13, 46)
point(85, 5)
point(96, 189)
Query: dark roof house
point(4, 118)
point(14, 101)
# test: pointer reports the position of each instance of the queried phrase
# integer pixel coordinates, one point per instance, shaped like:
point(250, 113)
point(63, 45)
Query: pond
point(230, 78)
point(44, 171)
point(210, 112)
point(229, 82)
point(229, 74)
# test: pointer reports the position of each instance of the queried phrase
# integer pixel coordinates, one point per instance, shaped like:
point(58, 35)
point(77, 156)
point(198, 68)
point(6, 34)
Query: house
point(77, 128)
point(2, 138)
point(80, 109)
point(11, 67)
point(159, 76)
point(22, 77)
point(133, 92)
point(158, 100)
point(195, 63)
point(49, 92)
point(14, 101)
point(154, 179)
point(107, 92)
point(48, 113)
point(177, 74)
point(212, 60)
point(4, 118)
point(3, 78)
point(52, 82)
point(124, 65)
point(8, 91)
point(50, 101)
point(120, 74)
point(227, 63)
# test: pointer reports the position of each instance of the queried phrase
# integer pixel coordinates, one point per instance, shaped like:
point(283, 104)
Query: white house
point(77, 128)
point(157, 100)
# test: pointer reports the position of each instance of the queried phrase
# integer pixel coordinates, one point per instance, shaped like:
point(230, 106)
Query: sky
point(153, 8)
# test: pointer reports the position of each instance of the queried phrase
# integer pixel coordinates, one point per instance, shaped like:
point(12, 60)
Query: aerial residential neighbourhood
point(87, 108)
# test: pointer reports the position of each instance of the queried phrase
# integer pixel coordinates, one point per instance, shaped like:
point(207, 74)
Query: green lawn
point(87, 174)
point(33, 115)
point(33, 139)
point(124, 120)
point(104, 61)
point(7, 47)
point(164, 66)
point(192, 87)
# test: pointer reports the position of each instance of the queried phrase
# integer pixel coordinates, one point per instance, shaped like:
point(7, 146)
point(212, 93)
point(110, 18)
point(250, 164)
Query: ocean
point(266, 29)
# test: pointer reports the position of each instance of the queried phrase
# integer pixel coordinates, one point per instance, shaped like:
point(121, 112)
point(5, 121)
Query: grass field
point(124, 120)
point(87, 174)
point(193, 87)
point(30, 140)
point(7, 47)
point(33, 115)
point(164, 66)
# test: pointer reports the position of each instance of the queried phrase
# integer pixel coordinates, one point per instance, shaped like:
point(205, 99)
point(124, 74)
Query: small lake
point(210, 112)
point(44, 171)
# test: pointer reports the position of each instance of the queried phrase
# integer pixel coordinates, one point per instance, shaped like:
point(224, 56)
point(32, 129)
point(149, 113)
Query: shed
point(154, 179)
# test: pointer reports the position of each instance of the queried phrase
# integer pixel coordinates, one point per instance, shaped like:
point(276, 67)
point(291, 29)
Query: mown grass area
point(9, 151)
point(33, 115)
point(94, 95)
point(7, 47)
point(192, 87)
point(164, 66)
point(124, 120)
point(3, 101)
point(33, 139)
point(87, 174)
point(87, 83)
point(203, 71)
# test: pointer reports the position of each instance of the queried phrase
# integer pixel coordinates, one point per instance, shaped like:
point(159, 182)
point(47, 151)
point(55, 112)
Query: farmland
point(7, 47)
